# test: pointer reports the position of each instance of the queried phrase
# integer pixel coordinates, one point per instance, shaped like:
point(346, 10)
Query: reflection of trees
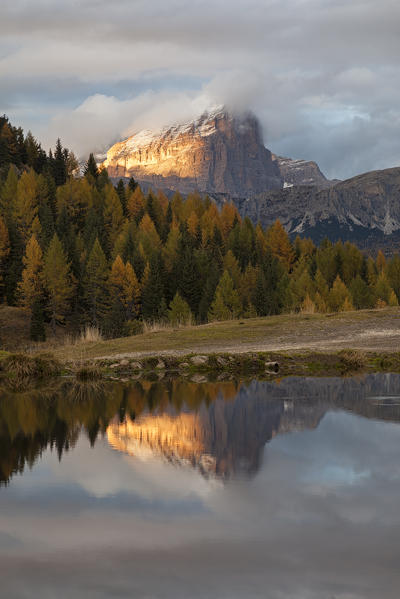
point(54, 416)
point(220, 428)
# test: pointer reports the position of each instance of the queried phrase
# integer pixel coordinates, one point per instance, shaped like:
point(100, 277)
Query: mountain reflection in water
point(177, 490)
point(220, 429)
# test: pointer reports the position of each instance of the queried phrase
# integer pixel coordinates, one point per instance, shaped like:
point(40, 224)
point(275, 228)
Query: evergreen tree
point(91, 167)
point(120, 189)
point(153, 298)
point(37, 331)
point(59, 165)
point(4, 253)
point(95, 285)
point(132, 185)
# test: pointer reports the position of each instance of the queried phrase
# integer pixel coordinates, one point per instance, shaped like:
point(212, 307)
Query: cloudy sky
point(322, 75)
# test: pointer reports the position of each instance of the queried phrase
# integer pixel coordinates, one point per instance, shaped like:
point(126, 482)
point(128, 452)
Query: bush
point(89, 372)
point(24, 366)
point(351, 360)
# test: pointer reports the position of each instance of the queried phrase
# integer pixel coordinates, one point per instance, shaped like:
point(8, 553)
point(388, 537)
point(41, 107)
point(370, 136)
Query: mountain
point(364, 209)
point(223, 155)
point(219, 152)
point(301, 172)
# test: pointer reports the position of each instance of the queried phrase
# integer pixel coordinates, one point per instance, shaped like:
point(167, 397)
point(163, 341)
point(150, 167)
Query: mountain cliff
point(364, 209)
point(219, 152)
point(223, 155)
point(301, 172)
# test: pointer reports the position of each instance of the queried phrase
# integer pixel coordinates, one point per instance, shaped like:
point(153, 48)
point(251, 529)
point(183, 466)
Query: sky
point(321, 75)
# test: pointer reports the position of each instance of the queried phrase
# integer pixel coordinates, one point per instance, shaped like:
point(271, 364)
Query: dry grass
point(90, 335)
point(23, 366)
point(88, 372)
point(291, 332)
point(155, 327)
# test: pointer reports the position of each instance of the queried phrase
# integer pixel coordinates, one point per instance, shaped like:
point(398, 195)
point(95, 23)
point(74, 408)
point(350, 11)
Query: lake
point(228, 490)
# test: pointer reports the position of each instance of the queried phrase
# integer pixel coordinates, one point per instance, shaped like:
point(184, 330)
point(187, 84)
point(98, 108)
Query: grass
point(89, 372)
point(23, 366)
point(283, 332)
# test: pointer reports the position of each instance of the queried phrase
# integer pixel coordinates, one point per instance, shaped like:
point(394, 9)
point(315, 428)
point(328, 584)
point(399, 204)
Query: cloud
point(320, 74)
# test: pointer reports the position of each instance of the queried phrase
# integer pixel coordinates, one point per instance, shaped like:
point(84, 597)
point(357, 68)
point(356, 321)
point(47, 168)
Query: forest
point(78, 250)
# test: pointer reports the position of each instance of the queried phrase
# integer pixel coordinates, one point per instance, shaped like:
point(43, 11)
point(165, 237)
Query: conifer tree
point(95, 285)
point(8, 192)
point(179, 311)
point(360, 293)
point(279, 244)
point(124, 286)
point(4, 252)
point(135, 204)
point(113, 215)
point(120, 189)
point(208, 293)
point(26, 204)
point(188, 279)
point(153, 298)
point(226, 304)
point(31, 285)
point(59, 165)
point(132, 185)
point(337, 295)
point(382, 287)
point(37, 331)
point(393, 274)
point(91, 167)
point(58, 281)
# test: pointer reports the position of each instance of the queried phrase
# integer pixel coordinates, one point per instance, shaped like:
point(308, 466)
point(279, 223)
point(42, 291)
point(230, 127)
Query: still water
point(178, 490)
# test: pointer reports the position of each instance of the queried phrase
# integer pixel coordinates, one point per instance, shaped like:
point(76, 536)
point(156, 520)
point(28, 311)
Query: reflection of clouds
point(147, 529)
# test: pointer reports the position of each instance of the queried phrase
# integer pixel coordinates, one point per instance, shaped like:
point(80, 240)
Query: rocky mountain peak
point(219, 152)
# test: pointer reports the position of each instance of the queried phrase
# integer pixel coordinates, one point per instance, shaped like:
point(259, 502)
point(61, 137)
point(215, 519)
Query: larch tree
point(4, 252)
point(9, 192)
point(30, 287)
point(26, 204)
point(179, 311)
point(279, 244)
point(57, 280)
point(337, 295)
point(226, 304)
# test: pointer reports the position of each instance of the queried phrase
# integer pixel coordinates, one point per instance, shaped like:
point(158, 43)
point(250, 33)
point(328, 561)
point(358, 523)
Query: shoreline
point(22, 368)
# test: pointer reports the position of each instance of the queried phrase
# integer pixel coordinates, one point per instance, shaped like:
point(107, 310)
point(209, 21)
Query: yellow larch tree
point(279, 244)
point(30, 287)
point(26, 204)
point(135, 204)
point(4, 249)
point(58, 281)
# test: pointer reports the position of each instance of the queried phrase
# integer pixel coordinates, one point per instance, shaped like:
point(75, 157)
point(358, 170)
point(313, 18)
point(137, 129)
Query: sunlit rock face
point(217, 153)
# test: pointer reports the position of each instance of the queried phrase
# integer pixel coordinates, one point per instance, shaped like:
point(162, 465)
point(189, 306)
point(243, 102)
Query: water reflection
point(220, 429)
point(176, 490)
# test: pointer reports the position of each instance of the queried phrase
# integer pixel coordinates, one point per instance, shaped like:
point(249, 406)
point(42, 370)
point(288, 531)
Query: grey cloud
point(321, 74)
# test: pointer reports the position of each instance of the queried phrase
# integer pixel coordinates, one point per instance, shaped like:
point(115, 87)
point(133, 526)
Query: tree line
point(78, 249)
